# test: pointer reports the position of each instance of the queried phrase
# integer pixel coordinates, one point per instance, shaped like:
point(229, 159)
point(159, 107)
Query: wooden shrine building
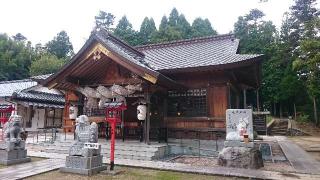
point(187, 84)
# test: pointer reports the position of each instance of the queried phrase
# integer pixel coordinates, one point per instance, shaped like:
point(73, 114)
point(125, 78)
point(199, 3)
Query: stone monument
point(12, 150)
point(85, 154)
point(239, 150)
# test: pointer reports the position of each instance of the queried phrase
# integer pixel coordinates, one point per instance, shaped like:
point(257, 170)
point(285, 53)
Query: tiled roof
point(40, 77)
point(8, 87)
point(40, 97)
point(197, 52)
point(121, 48)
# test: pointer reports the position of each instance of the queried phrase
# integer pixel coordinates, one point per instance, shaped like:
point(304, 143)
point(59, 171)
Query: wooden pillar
point(258, 102)
point(147, 123)
point(238, 101)
point(244, 98)
point(229, 96)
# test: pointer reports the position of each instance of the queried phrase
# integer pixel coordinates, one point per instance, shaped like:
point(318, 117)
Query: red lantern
point(113, 116)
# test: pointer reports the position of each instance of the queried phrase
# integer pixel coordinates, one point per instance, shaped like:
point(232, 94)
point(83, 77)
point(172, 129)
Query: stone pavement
point(29, 169)
point(298, 158)
point(222, 171)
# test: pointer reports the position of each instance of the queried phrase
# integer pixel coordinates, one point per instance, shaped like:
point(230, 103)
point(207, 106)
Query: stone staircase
point(123, 150)
point(279, 128)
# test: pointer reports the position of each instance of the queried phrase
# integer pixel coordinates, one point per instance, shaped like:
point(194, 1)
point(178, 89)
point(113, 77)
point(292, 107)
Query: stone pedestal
point(240, 157)
point(84, 165)
point(238, 144)
point(13, 156)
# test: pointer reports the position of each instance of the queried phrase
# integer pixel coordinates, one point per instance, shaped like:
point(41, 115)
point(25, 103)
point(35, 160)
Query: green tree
point(125, 32)
point(46, 64)
point(163, 24)
point(259, 37)
point(147, 30)
point(104, 20)
point(60, 46)
point(305, 42)
point(308, 67)
point(202, 27)
point(15, 59)
point(19, 37)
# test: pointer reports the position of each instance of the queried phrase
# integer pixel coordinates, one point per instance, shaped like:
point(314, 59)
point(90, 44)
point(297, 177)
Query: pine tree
point(60, 46)
point(202, 27)
point(147, 30)
point(126, 33)
point(104, 20)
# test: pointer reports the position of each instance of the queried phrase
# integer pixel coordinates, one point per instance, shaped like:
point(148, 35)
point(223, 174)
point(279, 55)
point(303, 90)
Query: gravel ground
point(279, 166)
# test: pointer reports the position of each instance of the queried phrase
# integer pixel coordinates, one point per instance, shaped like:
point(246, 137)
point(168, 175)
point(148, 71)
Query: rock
point(240, 157)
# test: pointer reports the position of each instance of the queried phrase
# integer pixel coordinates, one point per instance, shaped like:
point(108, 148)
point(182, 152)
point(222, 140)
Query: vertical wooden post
point(258, 102)
point(295, 111)
point(238, 101)
point(244, 98)
point(148, 118)
point(165, 114)
point(229, 96)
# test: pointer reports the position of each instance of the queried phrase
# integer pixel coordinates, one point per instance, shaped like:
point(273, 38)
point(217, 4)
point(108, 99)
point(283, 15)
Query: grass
point(33, 159)
point(128, 173)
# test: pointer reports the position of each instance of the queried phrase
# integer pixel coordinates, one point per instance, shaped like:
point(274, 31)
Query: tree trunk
point(315, 110)
point(280, 110)
point(274, 109)
point(295, 111)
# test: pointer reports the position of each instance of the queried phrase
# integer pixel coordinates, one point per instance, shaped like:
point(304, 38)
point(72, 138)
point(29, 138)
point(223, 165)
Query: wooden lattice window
point(190, 103)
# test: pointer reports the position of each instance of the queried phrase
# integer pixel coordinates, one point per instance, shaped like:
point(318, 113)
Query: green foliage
point(46, 64)
point(104, 20)
point(202, 27)
point(147, 30)
point(303, 118)
point(15, 58)
point(60, 46)
point(125, 32)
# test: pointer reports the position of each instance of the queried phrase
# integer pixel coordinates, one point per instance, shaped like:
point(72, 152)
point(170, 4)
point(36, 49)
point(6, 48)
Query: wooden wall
point(216, 84)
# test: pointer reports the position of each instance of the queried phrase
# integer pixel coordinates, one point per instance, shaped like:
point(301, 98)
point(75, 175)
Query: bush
point(303, 118)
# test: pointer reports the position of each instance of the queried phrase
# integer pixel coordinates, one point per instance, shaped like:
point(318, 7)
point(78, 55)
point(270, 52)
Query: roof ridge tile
point(186, 41)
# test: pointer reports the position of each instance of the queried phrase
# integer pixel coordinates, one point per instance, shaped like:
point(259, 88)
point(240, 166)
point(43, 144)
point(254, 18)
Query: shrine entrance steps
point(279, 128)
point(123, 150)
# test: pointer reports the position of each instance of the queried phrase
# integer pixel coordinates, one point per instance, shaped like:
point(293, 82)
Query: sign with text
point(238, 124)
point(91, 145)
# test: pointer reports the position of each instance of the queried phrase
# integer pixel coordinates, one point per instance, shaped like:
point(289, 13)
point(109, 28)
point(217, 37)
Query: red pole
point(113, 126)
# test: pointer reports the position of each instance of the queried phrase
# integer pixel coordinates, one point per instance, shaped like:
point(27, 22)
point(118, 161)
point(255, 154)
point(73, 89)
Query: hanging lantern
point(142, 112)
point(73, 112)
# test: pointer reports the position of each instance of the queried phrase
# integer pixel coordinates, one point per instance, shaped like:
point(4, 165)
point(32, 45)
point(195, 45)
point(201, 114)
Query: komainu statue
point(12, 130)
point(85, 133)
point(12, 150)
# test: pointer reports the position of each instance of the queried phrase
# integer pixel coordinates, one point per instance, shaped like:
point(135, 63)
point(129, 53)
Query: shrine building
point(187, 85)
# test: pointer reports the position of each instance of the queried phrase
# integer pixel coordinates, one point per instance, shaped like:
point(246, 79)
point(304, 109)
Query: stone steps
point(123, 150)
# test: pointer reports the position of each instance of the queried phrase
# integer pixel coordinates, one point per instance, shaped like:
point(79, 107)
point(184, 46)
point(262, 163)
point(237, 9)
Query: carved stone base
point(240, 157)
point(13, 156)
point(84, 165)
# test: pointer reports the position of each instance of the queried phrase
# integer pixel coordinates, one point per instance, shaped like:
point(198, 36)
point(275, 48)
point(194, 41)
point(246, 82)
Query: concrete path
point(29, 169)
point(297, 157)
point(179, 167)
